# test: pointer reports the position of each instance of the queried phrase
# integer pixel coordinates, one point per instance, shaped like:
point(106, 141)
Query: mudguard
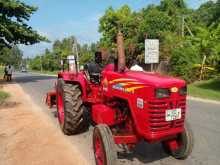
point(75, 78)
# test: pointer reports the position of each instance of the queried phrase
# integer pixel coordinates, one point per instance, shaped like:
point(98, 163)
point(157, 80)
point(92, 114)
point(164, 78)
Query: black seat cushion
point(94, 72)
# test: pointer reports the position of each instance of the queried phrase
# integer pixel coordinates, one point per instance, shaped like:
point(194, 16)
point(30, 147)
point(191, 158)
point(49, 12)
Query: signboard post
point(151, 52)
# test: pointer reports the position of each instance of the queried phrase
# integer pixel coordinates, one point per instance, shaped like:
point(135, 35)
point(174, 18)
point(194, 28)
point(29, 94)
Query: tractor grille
point(157, 111)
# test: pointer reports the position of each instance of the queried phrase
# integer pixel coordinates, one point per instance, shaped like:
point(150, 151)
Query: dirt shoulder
point(28, 136)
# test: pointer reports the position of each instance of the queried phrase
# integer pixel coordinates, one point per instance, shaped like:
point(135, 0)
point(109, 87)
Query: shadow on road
point(145, 153)
point(27, 79)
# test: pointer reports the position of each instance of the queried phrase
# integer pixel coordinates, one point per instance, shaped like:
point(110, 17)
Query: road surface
point(204, 119)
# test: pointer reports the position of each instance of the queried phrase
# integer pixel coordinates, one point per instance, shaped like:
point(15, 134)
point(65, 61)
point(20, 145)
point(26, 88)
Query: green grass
point(1, 71)
point(3, 96)
point(209, 89)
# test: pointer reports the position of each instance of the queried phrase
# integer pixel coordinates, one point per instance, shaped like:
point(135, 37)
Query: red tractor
point(125, 106)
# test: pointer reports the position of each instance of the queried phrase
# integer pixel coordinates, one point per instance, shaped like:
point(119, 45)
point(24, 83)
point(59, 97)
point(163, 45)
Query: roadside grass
point(209, 89)
point(3, 96)
point(1, 71)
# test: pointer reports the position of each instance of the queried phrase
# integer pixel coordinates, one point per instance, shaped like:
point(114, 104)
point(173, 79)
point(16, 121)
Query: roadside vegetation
point(50, 60)
point(3, 95)
point(14, 29)
point(209, 89)
point(14, 16)
point(1, 71)
point(189, 39)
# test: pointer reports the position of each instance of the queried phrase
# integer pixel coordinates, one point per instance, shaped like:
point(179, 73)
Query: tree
point(13, 27)
point(205, 13)
point(154, 22)
point(11, 56)
point(164, 22)
point(35, 63)
point(50, 59)
point(113, 21)
point(127, 22)
point(182, 61)
point(216, 15)
point(172, 7)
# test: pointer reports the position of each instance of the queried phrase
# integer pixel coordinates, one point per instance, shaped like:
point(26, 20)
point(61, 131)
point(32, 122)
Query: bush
point(182, 63)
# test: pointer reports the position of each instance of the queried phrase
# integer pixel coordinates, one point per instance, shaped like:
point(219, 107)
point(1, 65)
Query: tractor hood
point(154, 79)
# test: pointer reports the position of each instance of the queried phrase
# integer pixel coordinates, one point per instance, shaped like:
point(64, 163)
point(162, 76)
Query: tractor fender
point(74, 78)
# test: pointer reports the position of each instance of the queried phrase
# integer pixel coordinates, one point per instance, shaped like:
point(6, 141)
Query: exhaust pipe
point(121, 52)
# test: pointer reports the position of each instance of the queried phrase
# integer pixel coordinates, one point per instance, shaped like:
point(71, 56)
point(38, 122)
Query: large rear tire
point(104, 146)
point(70, 108)
point(185, 141)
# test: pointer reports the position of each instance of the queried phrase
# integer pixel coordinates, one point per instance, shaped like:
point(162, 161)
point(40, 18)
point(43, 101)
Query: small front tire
point(185, 143)
point(104, 146)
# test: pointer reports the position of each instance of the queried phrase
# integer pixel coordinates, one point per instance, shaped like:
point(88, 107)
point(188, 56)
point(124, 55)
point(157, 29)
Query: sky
point(57, 19)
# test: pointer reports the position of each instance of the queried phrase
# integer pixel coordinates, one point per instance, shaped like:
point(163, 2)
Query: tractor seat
point(94, 71)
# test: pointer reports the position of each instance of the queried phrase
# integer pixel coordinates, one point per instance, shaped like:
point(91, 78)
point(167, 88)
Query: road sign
point(71, 59)
point(72, 64)
point(151, 51)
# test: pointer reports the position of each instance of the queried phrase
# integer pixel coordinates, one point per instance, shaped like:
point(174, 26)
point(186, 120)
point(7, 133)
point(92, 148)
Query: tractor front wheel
point(184, 144)
point(104, 146)
point(70, 108)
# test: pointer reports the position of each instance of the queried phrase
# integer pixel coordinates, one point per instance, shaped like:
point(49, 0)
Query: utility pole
point(76, 53)
point(183, 26)
point(202, 68)
point(190, 32)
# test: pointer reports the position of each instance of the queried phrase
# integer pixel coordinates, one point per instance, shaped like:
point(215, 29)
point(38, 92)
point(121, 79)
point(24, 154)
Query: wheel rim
point(99, 151)
point(60, 108)
point(180, 142)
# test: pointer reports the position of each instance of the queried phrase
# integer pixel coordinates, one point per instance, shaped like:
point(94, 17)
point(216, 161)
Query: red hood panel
point(154, 79)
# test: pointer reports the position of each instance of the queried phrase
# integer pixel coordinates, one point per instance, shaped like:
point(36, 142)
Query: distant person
point(136, 67)
point(6, 72)
point(9, 73)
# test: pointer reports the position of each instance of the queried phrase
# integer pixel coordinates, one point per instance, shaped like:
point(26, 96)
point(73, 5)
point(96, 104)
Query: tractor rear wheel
point(185, 144)
point(104, 146)
point(70, 107)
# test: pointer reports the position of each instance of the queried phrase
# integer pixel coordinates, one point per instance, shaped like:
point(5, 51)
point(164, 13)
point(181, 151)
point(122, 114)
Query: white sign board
point(151, 51)
point(71, 59)
point(72, 66)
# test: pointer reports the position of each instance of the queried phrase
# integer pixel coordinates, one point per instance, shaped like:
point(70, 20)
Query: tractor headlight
point(183, 91)
point(162, 93)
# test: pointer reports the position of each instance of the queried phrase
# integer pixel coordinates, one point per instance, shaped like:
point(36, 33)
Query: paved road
point(203, 117)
